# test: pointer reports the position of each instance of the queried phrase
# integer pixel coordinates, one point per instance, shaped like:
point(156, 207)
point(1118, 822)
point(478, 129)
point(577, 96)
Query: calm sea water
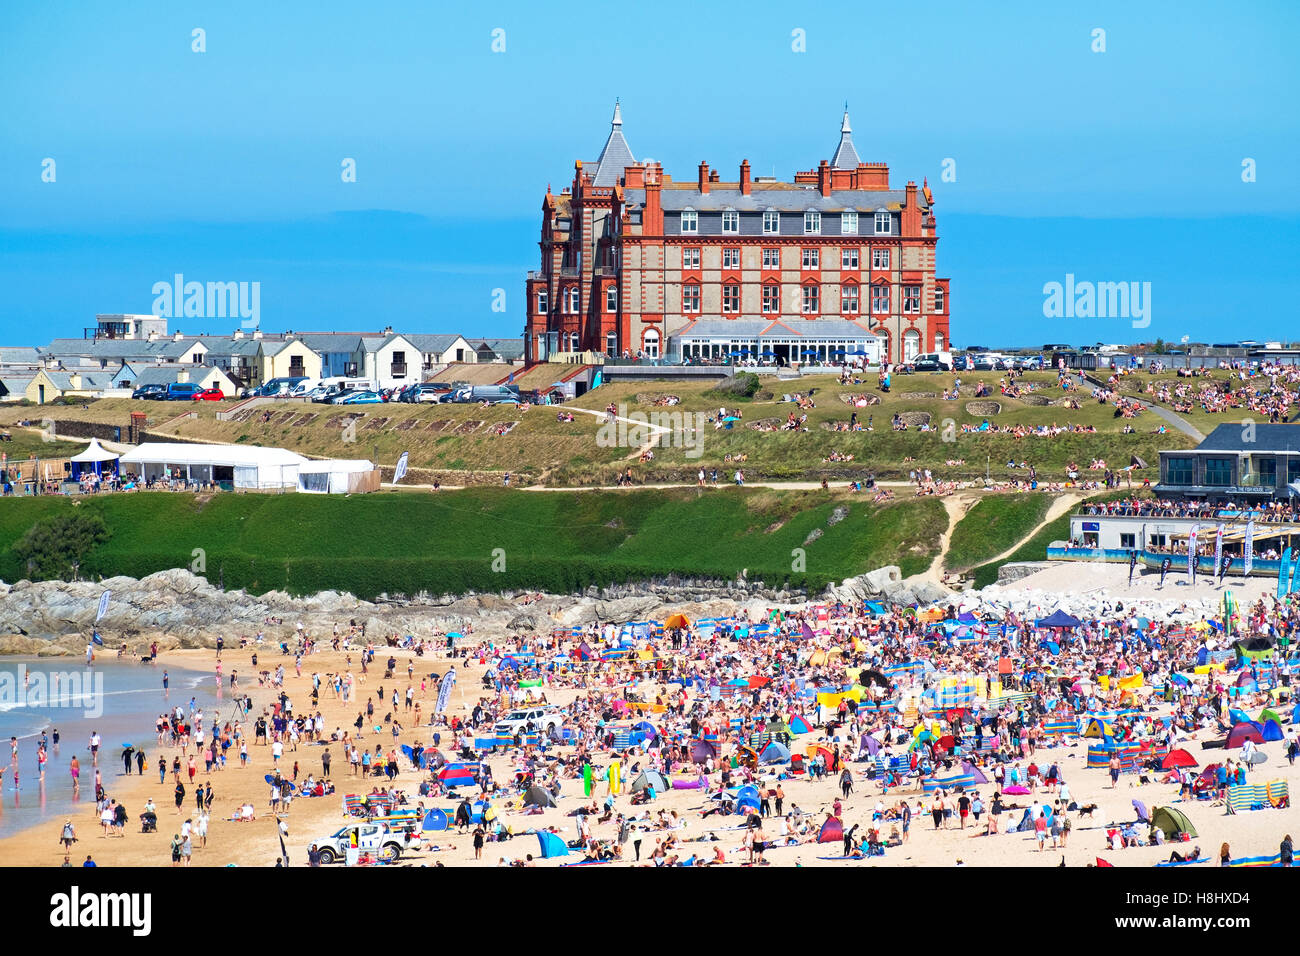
point(119, 700)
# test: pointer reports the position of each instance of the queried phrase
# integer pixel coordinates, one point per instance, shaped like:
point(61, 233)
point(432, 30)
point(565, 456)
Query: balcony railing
point(398, 370)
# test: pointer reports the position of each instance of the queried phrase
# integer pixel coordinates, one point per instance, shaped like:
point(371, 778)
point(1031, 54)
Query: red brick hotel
point(635, 263)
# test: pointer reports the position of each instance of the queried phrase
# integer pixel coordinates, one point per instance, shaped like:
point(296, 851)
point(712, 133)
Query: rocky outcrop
point(887, 585)
point(1015, 570)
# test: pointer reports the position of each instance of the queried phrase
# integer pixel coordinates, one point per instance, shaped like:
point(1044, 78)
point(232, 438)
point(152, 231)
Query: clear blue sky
point(225, 165)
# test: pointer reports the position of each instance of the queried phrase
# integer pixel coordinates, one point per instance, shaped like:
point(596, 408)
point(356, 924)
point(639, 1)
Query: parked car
point(540, 720)
point(360, 398)
point(209, 395)
point(430, 391)
point(182, 391)
point(155, 393)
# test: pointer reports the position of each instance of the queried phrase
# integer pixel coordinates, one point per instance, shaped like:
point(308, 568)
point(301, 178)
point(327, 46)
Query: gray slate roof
point(1230, 438)
point(433, 342)
point(783, 200)
point(846, 156)
point(616, 156)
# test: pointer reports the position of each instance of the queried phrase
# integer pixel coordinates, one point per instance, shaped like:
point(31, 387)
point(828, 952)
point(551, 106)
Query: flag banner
point(1132, 563)
point(1218, 548)
point(1227, 563)
point(103, 604)
point(444, 691)
point(1294, 564)
point(1284, 572)
point(400, 471)
point(1191, 553)
point(1164, 569)
point(1250, 548)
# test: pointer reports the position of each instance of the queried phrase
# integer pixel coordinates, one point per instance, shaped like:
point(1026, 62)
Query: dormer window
point(690, 221)
point(730, 221)
point(882, 222)
point(812, 223)
point(848, 223)
point(771, 222)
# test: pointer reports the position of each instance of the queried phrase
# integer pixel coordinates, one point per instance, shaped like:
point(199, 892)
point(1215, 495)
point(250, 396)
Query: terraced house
point(634, 263)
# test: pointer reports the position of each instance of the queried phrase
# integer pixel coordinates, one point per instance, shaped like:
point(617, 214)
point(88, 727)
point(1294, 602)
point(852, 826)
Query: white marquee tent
point(338, 476)
point(241, 466)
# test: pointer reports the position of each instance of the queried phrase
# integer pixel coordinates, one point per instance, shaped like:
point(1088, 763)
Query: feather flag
point(1191, 553)
point(1218, 548)
point(103, 604)
point(400, 471)
point(1250, 548)
point(1284, 573)
point(1227, 563)
point(1164, 569)
point(1132, 563)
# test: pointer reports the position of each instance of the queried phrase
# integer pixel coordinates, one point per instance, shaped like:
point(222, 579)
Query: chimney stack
point(910, 220)
point(652, 216)
point(824, 178)
point(704, 178)
point(744, 178)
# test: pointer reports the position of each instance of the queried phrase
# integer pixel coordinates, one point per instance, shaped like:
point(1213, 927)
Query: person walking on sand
point(75, 768)
point(478, 843)
point(1114, 771)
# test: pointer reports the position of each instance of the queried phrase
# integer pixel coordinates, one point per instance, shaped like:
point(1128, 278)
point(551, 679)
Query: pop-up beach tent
point(1173, 822)
point(650, 778)
point(436, 820)
point(774, 753)
point(551, 845)
point(538, 797)
point(1246, 730)
point(832, 831)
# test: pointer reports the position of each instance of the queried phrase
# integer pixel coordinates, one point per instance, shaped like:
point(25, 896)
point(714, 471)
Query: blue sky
point(1122, 165)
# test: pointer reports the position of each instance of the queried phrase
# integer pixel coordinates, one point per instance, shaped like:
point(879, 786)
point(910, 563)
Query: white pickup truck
point(373, 838)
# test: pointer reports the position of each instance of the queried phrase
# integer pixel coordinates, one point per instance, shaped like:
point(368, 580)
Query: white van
point(302, 388)
point(345, 384)
point(933, 362)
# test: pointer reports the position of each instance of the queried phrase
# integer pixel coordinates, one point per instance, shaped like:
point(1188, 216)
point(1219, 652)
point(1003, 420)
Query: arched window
point(911, 345)
point(611, 342)
point(652, 343)
point(938, 340)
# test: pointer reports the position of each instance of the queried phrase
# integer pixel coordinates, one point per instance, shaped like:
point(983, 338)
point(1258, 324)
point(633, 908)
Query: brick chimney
point(744, 177)
point(911, 217)
point(652, 217)
point(824, 178)
point(634, 177)
point(704, 178)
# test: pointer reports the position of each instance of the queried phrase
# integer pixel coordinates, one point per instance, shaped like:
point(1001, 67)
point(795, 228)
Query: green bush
point(55, 547)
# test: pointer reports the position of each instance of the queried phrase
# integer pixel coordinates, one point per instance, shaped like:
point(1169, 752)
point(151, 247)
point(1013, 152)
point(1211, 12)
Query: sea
point(120, 699)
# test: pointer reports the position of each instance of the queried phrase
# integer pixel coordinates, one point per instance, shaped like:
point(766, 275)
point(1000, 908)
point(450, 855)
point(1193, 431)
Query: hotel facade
point(636, 264)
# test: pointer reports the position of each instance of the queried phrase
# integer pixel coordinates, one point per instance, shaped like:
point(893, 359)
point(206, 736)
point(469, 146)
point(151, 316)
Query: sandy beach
point(257, 843)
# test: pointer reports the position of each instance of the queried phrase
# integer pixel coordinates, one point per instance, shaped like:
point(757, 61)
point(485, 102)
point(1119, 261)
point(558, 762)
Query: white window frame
point(690, 222)
point(730, 216)
point(849, 258)
point(731, 290)
point(883, 222)
point(575, 300)
point(611, 342)
point(848, 223)
point(938, 340)
point(939, 300)
point(611, 299)
point(731, 254)
point(543, 301)
point(880, 260)
point(812, 223)
point(771, 298)
point(810, 299)
point(881, 291)
point(911, 299)
point(651, 343)
point(850, 298)
point(771, 222)
point(811, 258)
point(691, 258)
point(771, 257)
point(691, 298)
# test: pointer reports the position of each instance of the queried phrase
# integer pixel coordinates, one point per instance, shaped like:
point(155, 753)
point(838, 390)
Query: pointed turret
point(846, 156)
point(616, 156)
